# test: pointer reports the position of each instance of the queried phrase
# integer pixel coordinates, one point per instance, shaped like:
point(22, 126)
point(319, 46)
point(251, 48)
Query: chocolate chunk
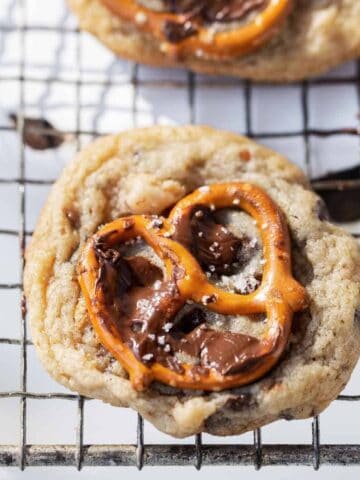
point(144, 272)
point(189, 321)
point(357, 315)
point(213, 245)
point(175, 32)
point(217, 246)
point(226, 352)
point(39, 133)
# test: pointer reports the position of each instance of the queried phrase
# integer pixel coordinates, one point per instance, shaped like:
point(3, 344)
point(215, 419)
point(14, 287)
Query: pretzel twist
point(223, 44)
point(278, 296)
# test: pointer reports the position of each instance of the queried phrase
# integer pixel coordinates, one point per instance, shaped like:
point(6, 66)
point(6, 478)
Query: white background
point(109, 108)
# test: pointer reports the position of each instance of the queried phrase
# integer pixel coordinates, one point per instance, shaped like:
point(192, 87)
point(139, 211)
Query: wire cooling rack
point(80, 454)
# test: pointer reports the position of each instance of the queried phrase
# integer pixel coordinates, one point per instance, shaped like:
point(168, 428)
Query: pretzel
point(202, 40)
point(278, 296)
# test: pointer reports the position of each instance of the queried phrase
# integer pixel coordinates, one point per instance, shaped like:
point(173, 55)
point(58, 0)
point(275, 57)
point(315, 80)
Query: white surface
point(109, 109)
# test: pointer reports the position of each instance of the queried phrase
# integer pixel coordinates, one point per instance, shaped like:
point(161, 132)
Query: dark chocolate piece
point(214, 246)
point(175, 31)
point(39, 133)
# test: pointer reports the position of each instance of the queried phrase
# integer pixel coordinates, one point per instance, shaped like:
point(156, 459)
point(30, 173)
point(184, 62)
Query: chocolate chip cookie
point(266, 40)
point(234, 223)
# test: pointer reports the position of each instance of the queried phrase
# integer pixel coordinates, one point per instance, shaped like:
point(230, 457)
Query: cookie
point(148, 171)
point(275, 40)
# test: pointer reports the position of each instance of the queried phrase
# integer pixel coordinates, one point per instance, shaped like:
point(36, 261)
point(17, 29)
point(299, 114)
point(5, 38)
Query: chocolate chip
point(39, 133)
point(239, 402)
point(357, 315)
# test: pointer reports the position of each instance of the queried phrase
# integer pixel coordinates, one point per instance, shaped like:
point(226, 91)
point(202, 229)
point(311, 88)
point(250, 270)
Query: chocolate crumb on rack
point(39, 133)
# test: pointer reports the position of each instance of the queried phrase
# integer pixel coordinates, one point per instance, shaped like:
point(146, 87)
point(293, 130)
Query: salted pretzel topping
point(134, 304)
point(189, 28)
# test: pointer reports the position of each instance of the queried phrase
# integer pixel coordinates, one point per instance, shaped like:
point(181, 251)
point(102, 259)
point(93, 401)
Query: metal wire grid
point(140, 454)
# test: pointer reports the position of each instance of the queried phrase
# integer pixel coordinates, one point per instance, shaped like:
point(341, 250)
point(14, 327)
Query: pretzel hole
point(137, 296)
point(228, 246)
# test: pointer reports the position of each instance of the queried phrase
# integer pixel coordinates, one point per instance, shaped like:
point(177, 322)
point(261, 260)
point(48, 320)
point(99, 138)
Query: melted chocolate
point(226, 352)
point(197, 12)
point(143, 306)
point(213, 245)
point(140, 303)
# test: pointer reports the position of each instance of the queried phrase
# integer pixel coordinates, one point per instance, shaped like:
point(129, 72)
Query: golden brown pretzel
point(278, 296)
point(222, 44)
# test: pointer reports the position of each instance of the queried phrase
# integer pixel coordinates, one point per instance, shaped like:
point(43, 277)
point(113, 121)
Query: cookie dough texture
point(146, 171)
point(318, 35)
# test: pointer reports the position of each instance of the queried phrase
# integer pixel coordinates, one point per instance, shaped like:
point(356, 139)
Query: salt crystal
point(148, 356)
point(167, 326)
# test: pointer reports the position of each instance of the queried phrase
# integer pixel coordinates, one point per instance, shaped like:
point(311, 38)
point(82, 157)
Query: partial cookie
point(148, 171)
point(313, 37)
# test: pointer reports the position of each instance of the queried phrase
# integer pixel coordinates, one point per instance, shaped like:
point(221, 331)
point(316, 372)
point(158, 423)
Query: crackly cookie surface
point(315, 36)
point(146, 172)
